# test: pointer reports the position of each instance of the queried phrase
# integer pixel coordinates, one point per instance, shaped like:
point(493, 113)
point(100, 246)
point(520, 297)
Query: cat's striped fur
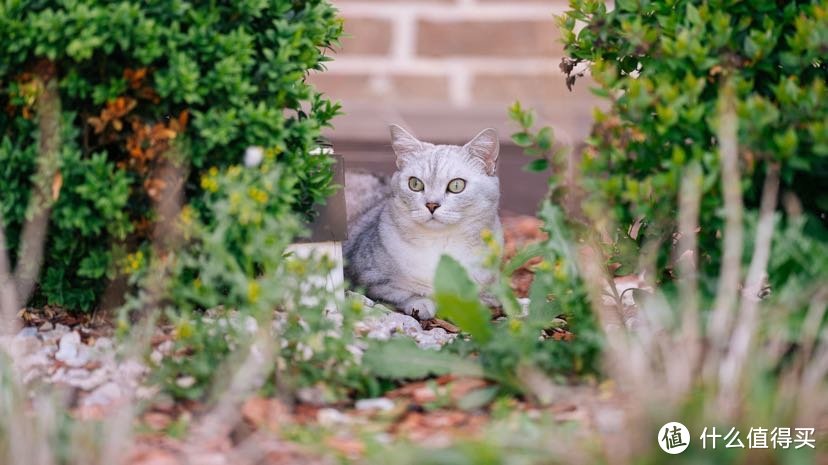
point(395, 239)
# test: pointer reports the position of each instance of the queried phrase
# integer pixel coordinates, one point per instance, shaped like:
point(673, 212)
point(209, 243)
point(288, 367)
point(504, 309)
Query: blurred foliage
point(659, 65)
point(234, 263)
point(137, 79)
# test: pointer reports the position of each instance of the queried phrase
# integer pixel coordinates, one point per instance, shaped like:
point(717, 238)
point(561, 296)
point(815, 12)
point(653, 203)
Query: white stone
point(380, 403)
point(331, 417)
point(81, 378)
point(27, 332)
point(71, 351)
point(185, 381)
point(104, 395)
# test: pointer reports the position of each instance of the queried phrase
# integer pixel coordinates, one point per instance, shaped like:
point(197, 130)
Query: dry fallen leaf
point(460, 387)
point(265, 413)
point(349, 446)
point(57, 183)
point(157, 421)
point(438, 323)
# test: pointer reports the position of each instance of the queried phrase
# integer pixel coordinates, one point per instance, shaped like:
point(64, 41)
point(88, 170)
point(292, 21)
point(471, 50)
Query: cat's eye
point(415, 184)
point(456, 186)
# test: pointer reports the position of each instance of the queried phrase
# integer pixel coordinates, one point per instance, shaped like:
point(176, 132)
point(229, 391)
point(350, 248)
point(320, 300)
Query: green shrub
point(232, 262)
point(135, 80)
point(660, 65)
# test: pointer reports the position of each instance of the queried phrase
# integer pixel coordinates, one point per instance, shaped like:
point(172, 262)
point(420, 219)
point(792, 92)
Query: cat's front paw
point(420, 308)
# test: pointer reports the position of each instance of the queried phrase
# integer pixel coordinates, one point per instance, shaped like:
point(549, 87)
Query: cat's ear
point(405, 145)
point(485, 148)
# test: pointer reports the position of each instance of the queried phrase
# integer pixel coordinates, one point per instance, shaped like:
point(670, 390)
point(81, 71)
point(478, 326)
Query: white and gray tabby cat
point(439, 201)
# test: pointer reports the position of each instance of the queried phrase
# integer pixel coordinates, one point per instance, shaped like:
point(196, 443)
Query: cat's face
point(438, 186)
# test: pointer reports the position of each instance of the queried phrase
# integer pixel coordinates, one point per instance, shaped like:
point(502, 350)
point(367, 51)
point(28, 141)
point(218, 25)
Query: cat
point(439, 201)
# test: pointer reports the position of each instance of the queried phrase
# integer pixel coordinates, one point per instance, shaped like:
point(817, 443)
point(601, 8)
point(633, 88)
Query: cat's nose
point(432, 206)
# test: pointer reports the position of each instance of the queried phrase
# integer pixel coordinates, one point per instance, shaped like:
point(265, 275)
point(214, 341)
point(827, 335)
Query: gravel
point(383, 323)
point(60, 355)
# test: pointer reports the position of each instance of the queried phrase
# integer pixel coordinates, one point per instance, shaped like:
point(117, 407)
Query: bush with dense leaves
point(142, 86)
point(661, 65)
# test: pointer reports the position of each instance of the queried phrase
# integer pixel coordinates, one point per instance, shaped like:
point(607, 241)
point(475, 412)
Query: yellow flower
point(235, 199)
point(257, 194)
point(543, 266)
point(486, 235)
point(272, 153)
point(296, 267)
point(253, 291)
point(560, 270)
point(209, 183)
point(183, 330)
point(491, 242)
point(134, 262)
point(186, 215)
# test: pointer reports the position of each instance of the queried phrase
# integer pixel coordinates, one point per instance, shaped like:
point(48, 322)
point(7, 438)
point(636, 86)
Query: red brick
point(399, 88)
point(549, 90)
point(366, 36)
point(512, 38)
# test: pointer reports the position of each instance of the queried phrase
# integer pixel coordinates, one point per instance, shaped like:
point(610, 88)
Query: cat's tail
point(363, 190)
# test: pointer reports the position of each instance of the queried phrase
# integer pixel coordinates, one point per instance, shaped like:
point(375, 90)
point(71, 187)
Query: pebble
point(380, 403)
point(365, 300)
point(27, 332)
point(71, 351)
point(81, 378)
point(185, 381)
point(104, 379)
point(104, 395)
point(433, 338)
point(93, 370)
point(332, 417)
point(382, 325)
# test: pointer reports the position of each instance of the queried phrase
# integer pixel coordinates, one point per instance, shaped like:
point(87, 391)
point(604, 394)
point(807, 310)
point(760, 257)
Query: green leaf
point(539, 165)
point(457, 299)
point(523, 255)
point(478, 398)
point(522, 139)
point(401, 358)
point(693, 15)
point(626, 5)
point(544, 139)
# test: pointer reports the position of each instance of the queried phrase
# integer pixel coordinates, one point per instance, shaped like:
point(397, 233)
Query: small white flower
point(253, 156)
point(185, 382)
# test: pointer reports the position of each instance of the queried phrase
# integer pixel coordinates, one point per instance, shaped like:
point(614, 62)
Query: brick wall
point(447, 68)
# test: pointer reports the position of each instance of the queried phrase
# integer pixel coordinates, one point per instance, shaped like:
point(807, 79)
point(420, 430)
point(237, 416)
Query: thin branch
point(733, 366)
point(687, 261)
point(728, 291)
